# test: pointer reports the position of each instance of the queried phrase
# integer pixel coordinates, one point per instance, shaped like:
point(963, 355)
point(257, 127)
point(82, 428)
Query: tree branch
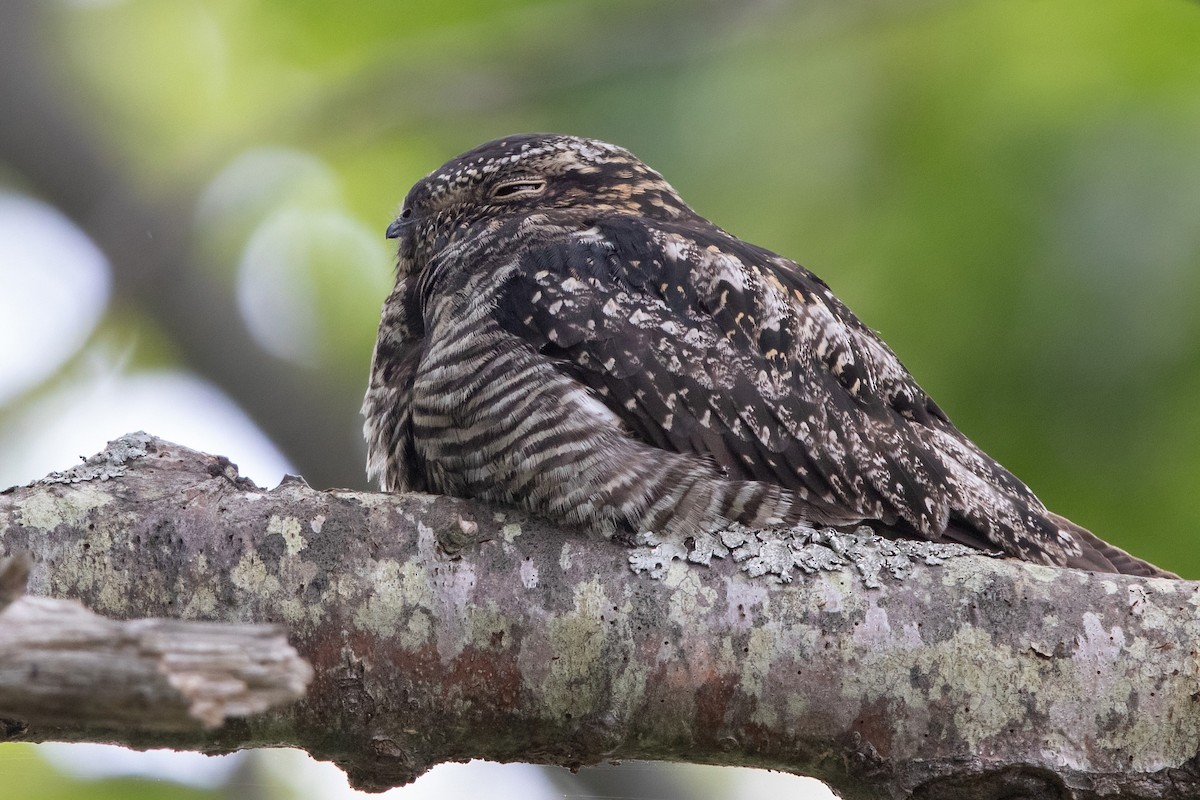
point(442, 630)
point(60, 664)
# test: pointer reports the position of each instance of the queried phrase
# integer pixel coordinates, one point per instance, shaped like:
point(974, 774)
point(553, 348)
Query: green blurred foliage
point(27, 777)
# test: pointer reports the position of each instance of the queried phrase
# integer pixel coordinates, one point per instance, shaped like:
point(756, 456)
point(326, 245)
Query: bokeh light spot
point(54, 285)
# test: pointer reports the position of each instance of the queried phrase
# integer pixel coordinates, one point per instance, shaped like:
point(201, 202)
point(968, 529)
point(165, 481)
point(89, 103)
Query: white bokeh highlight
point(305, 264)
point(95, 761)
point(80, 419)
point(54, 286)
point(278, 276)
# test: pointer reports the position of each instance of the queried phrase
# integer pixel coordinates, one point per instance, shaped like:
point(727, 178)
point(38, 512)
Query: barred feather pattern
point(568, 336)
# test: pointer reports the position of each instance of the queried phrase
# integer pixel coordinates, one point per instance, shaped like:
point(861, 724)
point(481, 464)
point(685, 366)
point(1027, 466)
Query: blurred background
point(193, 195)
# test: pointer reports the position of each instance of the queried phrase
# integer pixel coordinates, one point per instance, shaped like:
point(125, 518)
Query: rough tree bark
point(443, 630)
point(60, 664)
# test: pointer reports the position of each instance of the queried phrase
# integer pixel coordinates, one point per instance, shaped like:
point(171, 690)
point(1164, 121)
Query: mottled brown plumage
point(567, 335)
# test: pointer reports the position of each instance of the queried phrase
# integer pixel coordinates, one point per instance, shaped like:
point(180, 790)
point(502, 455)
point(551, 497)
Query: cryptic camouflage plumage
point(567, 335)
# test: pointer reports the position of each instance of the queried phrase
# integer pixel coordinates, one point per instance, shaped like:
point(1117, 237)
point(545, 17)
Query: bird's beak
point(396, 228)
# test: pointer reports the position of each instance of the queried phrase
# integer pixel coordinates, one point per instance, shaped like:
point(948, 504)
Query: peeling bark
point(442, 630)
point(60, 664)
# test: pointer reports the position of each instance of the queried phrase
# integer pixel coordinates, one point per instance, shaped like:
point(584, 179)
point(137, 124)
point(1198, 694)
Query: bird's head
point(526, 174)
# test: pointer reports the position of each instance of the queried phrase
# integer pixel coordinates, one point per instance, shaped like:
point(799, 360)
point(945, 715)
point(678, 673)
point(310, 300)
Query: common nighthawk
point(567, 335)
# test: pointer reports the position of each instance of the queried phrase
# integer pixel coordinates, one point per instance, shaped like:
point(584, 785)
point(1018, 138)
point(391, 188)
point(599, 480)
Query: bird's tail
point(1100, 556)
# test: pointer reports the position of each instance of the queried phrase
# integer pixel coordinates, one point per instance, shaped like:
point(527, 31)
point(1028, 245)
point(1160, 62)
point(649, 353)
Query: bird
point(566, 335)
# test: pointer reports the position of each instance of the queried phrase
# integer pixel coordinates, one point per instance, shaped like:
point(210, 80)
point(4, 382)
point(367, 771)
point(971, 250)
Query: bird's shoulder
point(579, 278)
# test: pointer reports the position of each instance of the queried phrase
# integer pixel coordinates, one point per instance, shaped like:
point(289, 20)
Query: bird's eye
point(525, 186)
point(406, 213)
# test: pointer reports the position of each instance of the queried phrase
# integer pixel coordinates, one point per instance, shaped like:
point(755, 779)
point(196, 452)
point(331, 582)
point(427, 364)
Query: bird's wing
point(703, 344)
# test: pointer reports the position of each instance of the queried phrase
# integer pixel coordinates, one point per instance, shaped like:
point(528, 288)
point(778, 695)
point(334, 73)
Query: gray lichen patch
point(1123, 667)
point(990, 678)
point(486, 628)
point(300, 610)
point(578, 661)
point(289, 528)
point(577, 639)
point(778, 553)
point(969, 680)
point(400, 602)
point(108, 463)
point(45, 511)
point(757, 658)
point(201, 602)
point(86, 561)
point(251, 575)
point(691, 597)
